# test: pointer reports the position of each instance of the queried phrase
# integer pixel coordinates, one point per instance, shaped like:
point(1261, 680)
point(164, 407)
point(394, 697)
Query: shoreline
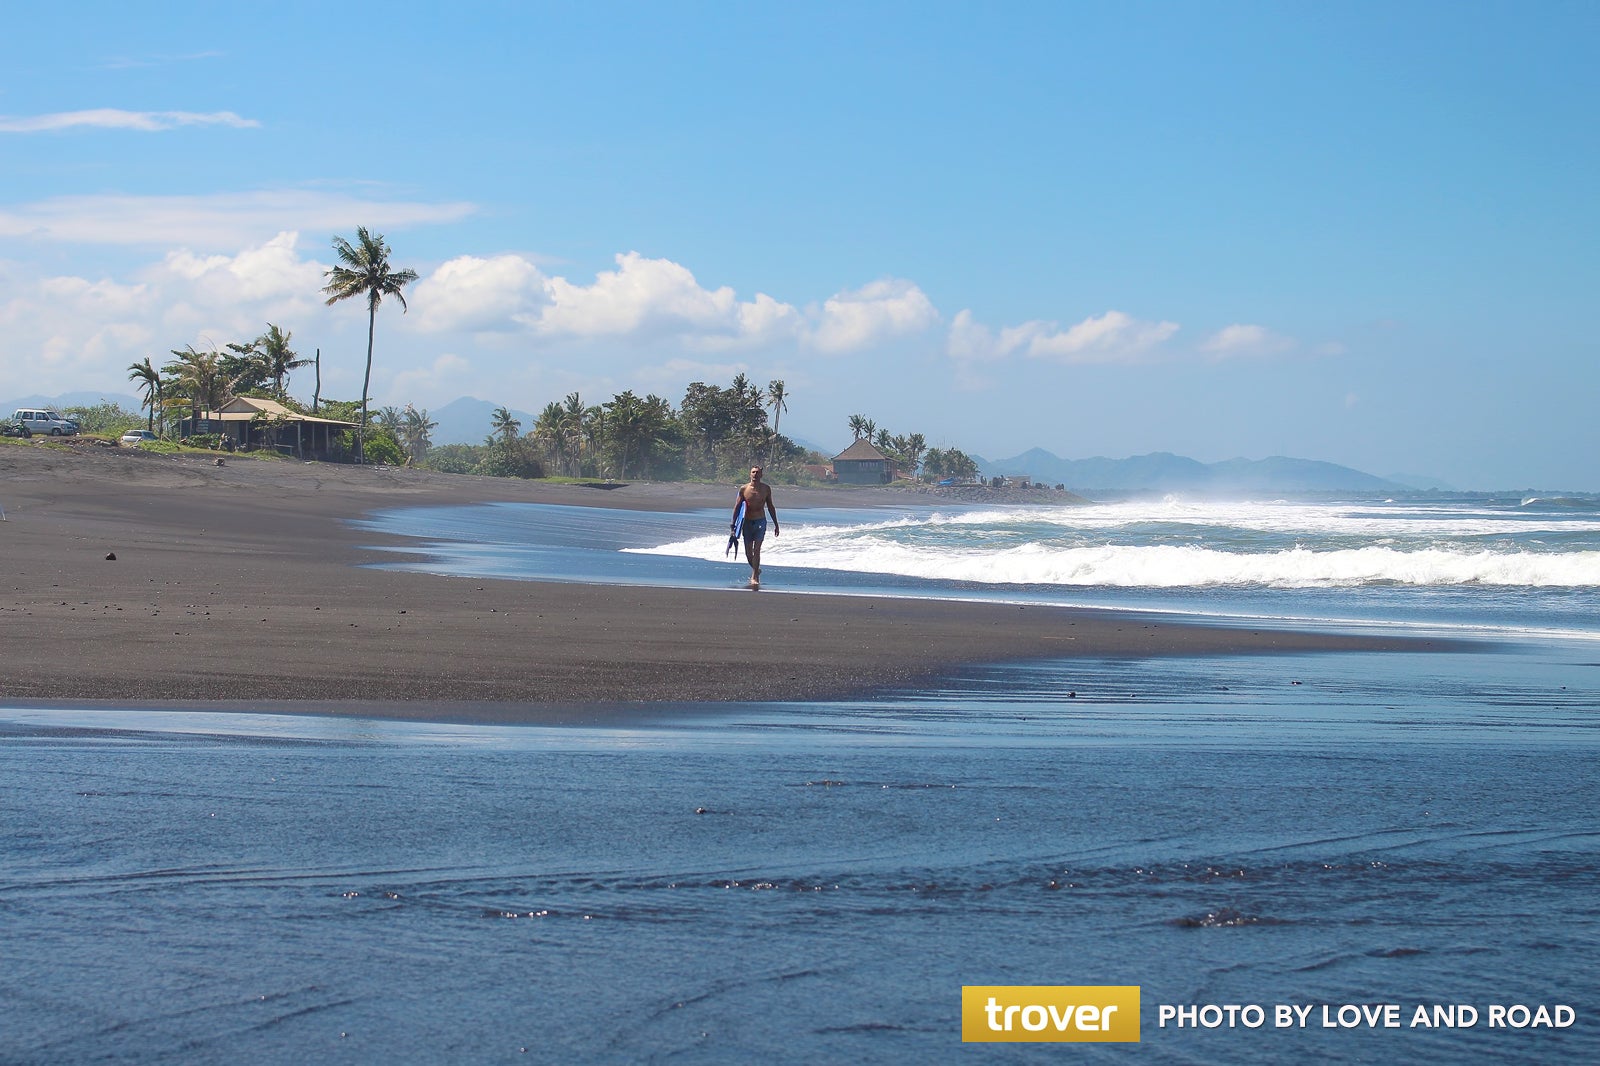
point(241, 584)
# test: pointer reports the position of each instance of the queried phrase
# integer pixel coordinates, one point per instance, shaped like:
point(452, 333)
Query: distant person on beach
point(756, 495)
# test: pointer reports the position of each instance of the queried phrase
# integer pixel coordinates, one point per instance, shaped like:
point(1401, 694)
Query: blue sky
point(1360, 232)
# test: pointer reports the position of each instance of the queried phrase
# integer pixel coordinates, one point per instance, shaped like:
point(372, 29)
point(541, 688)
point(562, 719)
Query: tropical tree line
point(713, 433)
point(910, 452)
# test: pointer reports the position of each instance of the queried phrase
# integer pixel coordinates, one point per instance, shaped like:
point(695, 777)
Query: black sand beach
point(240, 584)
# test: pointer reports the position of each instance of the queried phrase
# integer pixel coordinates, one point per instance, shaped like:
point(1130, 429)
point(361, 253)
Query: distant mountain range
point(468, 421)
point(1165, 472)
point(72, 399)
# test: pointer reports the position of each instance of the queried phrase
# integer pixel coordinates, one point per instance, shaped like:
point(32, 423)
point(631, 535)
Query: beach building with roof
point(863, 464)
point(255, 422)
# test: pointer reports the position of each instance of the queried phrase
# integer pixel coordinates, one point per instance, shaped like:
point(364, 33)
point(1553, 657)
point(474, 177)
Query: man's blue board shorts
point(755, 530)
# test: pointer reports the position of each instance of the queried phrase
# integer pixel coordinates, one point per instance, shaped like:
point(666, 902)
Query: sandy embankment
point(238, 586)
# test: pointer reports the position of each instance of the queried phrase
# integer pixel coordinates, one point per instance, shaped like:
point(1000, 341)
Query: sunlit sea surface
point(816, 882)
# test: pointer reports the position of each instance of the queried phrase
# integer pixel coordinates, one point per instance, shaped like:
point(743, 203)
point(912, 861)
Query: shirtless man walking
point(757, 498)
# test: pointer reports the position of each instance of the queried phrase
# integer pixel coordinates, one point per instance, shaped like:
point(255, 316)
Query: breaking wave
point(1178, 545)
point(1166, 566)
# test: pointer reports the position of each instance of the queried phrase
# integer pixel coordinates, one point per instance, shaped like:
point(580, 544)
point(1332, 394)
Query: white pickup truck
point(43, 420)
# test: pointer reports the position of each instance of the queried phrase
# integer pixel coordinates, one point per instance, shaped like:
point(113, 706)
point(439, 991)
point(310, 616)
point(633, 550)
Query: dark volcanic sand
point(238, 586)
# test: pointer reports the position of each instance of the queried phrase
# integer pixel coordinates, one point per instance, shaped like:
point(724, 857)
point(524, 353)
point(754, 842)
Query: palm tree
point(634, 430)
point(364, 270)
point(624, 426)
point(858, 425)
point(149, 379)
point(778, 400)
point(199, 374)
point(277, 358)
point(577, 422)
point(550, 434)
point(505, 426)
point(417, 433)
point(915, 445)
point(591, 430)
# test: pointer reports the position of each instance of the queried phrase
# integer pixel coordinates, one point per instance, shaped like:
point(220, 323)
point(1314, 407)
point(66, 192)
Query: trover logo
point(1076, 1013)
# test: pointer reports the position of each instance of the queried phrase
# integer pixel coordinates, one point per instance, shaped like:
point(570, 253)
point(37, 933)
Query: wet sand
point(239, 587)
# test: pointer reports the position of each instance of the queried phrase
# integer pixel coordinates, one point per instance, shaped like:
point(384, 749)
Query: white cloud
point(59, 331)
point(852, 320)
point(1113, 337)
point(64, 332)
point(213, 222)
point(109, 118)
point(270, 272)
point(438, 378)
point(656, 299)
point(1240, 339)
point(479, 295)
point(643, 297)
point(766, 318)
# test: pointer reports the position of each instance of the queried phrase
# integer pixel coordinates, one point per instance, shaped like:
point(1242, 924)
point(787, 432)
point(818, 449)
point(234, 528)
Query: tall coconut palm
point(634, 430)
point(148, 379)
point(858, 425)
point(364, 270)
point(200, 375)
point(277, 358)
point(505, 425)
point(592, 429)
point(417, 433)
point(751, 419)
point(916, 444)
point(551, 435)
point(778, 400)
point(581, 423)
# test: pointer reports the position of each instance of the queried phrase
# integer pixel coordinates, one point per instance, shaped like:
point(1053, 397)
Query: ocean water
point(1500, 563)
point(816, 882)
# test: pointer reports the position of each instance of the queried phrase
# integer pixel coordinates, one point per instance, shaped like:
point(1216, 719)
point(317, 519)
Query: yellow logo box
point(1057, 1013)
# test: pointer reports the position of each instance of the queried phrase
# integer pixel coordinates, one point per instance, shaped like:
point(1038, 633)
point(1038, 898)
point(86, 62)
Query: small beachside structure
point(819, 471)
point(863, 464)
point(254, 422)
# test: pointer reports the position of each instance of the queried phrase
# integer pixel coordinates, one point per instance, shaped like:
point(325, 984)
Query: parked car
point(43, 420)
point(136, 437)
point(12, 428)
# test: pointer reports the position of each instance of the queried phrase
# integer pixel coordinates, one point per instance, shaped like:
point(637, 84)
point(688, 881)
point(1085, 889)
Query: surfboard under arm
point(738, 529)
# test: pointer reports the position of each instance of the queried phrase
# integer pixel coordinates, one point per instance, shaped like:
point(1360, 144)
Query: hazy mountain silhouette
point(468, 421)
point(1165, 472)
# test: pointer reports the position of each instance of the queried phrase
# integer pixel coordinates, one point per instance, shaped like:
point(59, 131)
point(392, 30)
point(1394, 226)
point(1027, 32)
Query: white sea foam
point(1174, 545)
point(1287, 518)
point(1195, 567)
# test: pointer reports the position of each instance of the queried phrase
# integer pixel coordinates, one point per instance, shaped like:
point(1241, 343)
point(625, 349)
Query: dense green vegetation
point(714, 432)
